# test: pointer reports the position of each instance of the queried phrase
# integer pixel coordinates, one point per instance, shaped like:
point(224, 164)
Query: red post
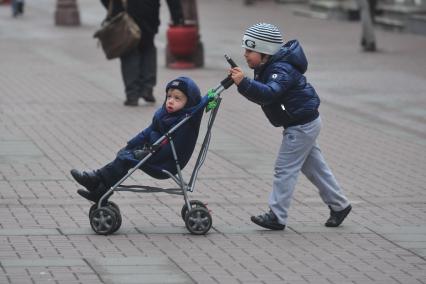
point(184, 48)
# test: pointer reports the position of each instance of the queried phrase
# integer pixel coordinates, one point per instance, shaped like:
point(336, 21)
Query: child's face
point(253, 58)
point(175, 100)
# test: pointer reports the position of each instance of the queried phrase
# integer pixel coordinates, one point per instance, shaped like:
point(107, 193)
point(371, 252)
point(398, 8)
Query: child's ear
point(264, 57)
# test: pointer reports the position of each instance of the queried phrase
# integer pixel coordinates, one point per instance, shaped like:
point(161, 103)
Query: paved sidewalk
point(61, 108)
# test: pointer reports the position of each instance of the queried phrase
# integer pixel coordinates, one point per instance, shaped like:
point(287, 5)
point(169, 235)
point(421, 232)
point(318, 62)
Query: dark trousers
point(139, 69)
point(373, 7)
point(368, 37)
point(17, 7)
point(114, 171)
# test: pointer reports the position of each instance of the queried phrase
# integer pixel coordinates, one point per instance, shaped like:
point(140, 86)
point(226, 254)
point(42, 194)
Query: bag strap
point(123, 2)
point(109, 9)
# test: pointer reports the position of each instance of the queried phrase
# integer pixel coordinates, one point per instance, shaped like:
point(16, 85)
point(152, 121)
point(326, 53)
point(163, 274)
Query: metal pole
point(190, 12)
point(196, 58)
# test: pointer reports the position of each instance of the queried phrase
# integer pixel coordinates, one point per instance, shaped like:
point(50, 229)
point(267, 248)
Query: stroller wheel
point(194, 204)
point(103, 221)
point(110, 204)
point(198, 221)
point(114, 207)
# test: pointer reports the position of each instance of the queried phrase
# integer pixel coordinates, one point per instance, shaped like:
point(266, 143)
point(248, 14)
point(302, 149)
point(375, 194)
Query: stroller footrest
point(148, 189)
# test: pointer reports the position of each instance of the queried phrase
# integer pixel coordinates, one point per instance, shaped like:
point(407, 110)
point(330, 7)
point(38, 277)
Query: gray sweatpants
point(300, 151)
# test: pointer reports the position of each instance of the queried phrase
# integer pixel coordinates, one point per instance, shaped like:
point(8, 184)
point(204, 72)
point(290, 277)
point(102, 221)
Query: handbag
point(119, 34)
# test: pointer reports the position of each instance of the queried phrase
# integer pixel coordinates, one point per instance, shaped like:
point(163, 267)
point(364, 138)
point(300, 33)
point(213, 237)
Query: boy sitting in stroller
point(182, 98)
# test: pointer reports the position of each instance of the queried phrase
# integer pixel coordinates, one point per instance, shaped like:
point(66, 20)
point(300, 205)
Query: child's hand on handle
point(237, 75)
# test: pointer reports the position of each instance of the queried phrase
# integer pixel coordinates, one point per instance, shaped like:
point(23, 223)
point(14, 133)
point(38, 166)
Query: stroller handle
point(230, 61)
point(228, 82)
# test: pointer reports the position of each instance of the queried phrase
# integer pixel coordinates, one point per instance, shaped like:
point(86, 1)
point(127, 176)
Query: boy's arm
point(140, 138)
point(281, 79)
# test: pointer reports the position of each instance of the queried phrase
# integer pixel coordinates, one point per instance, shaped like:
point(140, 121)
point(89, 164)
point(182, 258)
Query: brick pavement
point(61, 107)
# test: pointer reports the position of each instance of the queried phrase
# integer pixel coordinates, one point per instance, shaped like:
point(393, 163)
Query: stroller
point(105, 217)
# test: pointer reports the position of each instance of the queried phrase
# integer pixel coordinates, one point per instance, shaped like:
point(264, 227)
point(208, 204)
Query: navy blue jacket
point(281, 89)
point(184, 138)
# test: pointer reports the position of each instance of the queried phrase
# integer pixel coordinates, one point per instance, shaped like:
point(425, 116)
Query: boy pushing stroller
point(182, 98)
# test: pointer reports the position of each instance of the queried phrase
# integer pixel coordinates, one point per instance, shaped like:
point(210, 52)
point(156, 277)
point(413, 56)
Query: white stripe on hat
point(263, 38)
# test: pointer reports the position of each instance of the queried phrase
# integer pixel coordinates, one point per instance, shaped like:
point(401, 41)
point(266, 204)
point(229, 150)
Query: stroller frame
point(105, 216)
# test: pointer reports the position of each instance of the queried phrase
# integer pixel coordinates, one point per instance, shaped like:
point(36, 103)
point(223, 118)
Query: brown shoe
point(148, 97)
point(369, 47)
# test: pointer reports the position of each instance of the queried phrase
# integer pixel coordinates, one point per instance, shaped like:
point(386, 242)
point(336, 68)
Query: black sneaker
point(268, 221)
point(91, 196)
point(89, 180)
point(336, 217)
point(96, 194)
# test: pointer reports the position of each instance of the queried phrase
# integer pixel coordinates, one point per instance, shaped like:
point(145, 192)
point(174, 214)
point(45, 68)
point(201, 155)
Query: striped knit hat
point(263, 38)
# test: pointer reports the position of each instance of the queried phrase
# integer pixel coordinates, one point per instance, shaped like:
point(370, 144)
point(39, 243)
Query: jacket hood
point(189, 88)
point(292, 53)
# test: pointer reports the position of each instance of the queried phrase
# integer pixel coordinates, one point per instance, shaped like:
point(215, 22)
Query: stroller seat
point(184, 140)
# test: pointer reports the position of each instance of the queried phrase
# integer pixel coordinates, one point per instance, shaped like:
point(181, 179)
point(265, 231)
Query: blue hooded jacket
point(281, 89)
point(184, 138)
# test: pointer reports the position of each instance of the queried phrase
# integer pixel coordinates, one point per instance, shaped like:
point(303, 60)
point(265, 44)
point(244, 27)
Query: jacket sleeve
point(139, 139)
point(105, 3)
point(117, 6)
point(176, 12)
point(279, 79)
